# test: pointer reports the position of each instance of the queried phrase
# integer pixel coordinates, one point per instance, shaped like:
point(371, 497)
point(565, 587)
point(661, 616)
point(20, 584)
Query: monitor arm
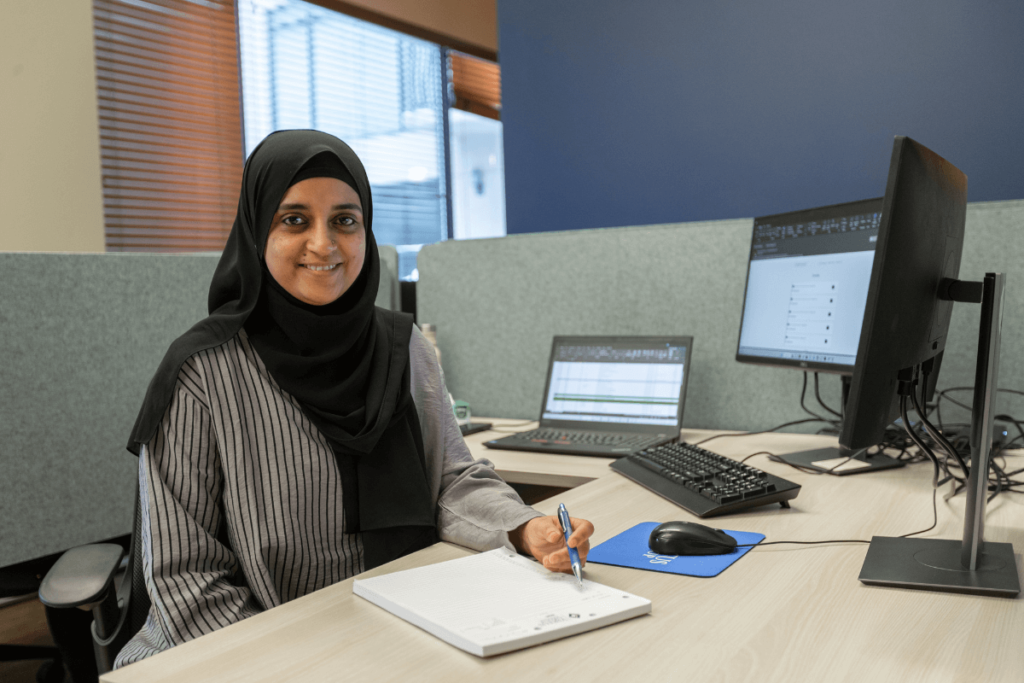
point(961, 290)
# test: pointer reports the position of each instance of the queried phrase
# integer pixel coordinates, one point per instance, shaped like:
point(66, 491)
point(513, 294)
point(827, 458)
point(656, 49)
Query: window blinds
point(170, 122)
point(304, 66)
point(477, 85)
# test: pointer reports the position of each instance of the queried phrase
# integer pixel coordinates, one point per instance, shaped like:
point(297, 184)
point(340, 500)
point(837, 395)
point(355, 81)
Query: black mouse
point(687, 538)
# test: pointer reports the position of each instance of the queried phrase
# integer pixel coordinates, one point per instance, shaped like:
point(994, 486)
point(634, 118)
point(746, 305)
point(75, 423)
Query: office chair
point(85, 576)
point(23, 580)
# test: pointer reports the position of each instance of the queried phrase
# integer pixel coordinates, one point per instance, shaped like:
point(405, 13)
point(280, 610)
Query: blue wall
point(653, 111)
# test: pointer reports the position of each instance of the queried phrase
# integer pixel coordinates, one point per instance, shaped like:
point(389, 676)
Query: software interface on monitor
point(616, 383)
point(807, 286)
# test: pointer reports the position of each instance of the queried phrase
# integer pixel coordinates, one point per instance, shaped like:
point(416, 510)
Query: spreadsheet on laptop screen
point(609, 382)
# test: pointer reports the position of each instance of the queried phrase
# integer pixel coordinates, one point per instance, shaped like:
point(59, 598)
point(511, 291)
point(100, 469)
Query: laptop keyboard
point(567, 437)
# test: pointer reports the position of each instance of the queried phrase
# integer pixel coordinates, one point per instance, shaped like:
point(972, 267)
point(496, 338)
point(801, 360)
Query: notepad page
point(498, 601)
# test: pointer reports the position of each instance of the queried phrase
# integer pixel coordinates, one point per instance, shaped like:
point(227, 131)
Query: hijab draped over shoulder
point(346, 363)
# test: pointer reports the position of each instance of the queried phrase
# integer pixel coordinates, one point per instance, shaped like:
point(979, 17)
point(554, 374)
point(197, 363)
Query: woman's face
point(317, 241)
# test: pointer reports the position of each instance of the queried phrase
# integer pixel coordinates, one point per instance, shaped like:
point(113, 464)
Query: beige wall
point(471, 21)
point(50, 183)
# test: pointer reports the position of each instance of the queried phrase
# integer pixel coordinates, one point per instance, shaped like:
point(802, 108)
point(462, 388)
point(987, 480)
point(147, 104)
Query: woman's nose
point(322, 239)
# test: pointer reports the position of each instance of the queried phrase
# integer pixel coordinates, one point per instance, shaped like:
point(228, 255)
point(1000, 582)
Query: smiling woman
point(300, 435)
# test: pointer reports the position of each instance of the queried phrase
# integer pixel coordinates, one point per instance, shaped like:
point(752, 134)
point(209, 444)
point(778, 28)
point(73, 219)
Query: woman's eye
point(292, 220)
point(346, 221)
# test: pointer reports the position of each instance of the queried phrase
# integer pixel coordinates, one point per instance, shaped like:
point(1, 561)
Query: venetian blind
point(476, 84)
point(170, 122)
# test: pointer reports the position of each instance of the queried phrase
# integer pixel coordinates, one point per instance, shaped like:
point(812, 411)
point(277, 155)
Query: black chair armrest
point(82, 576)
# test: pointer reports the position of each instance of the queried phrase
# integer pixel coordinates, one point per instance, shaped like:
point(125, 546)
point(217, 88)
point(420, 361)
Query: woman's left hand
point(542, 538)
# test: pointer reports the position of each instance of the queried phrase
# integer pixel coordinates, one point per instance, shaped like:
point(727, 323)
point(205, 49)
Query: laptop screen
point(638, 381)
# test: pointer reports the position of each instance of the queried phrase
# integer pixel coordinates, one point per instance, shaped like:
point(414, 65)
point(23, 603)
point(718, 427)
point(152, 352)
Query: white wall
point(50, 179)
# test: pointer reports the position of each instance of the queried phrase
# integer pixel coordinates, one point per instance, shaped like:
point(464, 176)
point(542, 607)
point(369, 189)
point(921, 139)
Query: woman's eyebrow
point(336, 207)
point(305, 207)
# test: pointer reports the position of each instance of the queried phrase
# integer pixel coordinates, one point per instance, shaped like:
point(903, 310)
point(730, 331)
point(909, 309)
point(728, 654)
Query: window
point(174, 78)
point(380, 91)
point(477, 161)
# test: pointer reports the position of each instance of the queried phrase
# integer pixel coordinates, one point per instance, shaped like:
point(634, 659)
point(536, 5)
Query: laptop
point(609, 396)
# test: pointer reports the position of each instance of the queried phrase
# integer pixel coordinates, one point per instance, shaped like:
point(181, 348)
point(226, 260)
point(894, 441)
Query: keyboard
point(704, 483)
point(580, 442)
point(570, 437)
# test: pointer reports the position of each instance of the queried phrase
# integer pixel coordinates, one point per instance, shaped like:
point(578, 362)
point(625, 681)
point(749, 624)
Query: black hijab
point(346, 363)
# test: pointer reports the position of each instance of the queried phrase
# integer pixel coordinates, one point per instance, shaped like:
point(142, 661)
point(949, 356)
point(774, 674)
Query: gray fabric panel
point(80, 337)
point(497, 303)
point(994, 241)
point(389, 294)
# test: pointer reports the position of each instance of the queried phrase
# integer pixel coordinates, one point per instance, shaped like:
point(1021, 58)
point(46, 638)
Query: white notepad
point(498, 601)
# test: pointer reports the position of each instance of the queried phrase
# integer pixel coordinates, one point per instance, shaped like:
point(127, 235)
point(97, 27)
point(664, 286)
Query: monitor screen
point(807, 283)
point(636, 381)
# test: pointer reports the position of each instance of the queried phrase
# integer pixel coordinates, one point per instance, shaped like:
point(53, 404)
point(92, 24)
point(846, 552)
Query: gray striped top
point(241, 496)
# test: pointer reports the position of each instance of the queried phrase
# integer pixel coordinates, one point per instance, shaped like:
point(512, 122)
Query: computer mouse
point(687, 538)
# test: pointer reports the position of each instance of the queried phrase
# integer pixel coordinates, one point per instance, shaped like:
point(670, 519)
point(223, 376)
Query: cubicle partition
point(80, 337)
point(497, 303)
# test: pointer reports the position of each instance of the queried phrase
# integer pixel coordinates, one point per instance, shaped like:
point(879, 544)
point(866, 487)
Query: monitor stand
point(840, 461)
point(972, 566)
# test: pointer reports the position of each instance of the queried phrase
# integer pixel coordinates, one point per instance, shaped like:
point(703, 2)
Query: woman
point(300, 435)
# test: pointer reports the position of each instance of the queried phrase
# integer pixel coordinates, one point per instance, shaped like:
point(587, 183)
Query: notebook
point(495, 602)
point(609, 396)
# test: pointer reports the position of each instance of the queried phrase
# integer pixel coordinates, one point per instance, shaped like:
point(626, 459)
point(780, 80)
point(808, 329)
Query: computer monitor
point(906, 320)
point(807, 283)
point(807, 287)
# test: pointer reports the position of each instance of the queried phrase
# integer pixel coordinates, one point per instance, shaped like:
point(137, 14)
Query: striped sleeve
point(189, 573)
point(475, 508)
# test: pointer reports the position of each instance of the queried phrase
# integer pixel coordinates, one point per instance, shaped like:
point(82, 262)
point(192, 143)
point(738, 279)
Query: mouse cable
point(806, 469)
point(935, 520)
point(765, 431)
point(770, 455)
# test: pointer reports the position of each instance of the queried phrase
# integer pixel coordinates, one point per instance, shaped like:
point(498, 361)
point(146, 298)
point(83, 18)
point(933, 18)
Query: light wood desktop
point(781, 613)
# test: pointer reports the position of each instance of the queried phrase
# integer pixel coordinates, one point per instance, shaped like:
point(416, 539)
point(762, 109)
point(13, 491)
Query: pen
point(574, 556)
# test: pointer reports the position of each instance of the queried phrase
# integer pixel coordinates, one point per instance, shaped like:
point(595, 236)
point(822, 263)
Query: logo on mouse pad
point(659, 559)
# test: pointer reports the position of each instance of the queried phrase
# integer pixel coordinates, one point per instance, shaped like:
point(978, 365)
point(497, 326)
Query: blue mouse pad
point(629, 549)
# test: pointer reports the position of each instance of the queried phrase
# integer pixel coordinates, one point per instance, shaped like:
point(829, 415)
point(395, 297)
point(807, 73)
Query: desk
point(782, 613)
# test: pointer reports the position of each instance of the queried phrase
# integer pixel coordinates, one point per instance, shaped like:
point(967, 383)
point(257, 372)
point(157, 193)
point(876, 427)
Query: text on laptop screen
point(616, 383)
point(807, 284)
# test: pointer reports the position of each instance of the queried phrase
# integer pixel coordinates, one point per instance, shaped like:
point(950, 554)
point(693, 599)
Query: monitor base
point(934, 564)
point(858, 464)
